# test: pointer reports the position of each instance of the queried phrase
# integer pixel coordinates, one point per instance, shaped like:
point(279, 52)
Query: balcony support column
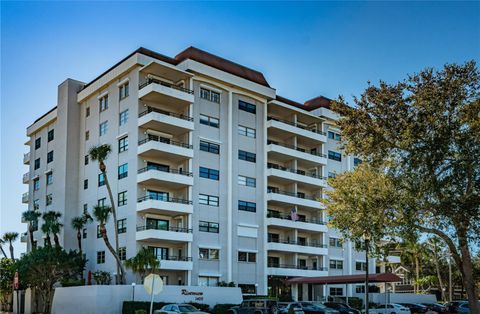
point(229, 187)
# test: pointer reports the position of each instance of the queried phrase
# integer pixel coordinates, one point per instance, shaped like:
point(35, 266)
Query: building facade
point(213, 171)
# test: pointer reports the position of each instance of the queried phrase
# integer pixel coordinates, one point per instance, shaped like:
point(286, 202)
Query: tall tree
point(413, 251)
point(52, 225)
point(436, 249)
point(102, 214)
point(143, 262)
point(78, 223)
point(425, 130)
point(31, 216)
point(1, 248)
point(100, 153)
point(10, 237)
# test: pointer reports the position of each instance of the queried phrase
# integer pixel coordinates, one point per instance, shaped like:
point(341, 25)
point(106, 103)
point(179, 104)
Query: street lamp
point(133, 291)
point(366, 238)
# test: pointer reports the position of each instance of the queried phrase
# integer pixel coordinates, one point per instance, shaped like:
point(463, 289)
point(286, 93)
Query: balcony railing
point(26, 177)
point(26, 158)
point(297, 195)
point(164, 199)
point(25, 197)
point(303, 150)
point(173, 229)
point(164, 112)
point(288, 217)
point(297, 125)
point(174, 258)
point(164, 140)
point(166, 84)
point(163, 169)
point(275, 265)
point(296, 171)
point(301, 243)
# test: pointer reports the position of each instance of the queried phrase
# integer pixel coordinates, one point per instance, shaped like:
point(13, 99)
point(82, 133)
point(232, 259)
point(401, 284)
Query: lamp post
point(367, 240)
point(133, 291)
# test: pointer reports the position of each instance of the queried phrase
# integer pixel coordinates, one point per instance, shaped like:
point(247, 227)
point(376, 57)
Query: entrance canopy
point(344, 279)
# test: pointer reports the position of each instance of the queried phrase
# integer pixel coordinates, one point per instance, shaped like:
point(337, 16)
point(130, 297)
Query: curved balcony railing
point(289, 217)
point(297, 125)
point(287, 266)
point(297, 195)
point(163, 169)
point(166, 84)
point(301, 243)
point(174, 258)
point(164, 112)
point(164, 199)
point(173, 229)
point(296, 171)
point(300, 149)
point(164, 140)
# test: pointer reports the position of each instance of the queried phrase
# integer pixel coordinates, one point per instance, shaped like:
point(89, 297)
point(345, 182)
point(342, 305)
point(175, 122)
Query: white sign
point(153, 284)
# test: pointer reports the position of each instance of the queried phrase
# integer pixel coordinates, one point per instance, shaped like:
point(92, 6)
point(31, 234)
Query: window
point(36, 164)
point(336, 264)
point(36, 184)
point(87, 112)
point(334, 156)
point(210, 147)
point(335, 242)
point(211, 254)
point(48, 199)
point(247, 181)
point(123, 144)
point(49, 156)
point(122, 198)
point(101, 179)
point(360, 289)
point(100, 257)
point(50, 135)
point(38, 143)
point(206, 226)
point(49, 178)
point(84, 233)
point(208, 200)
point(36, 204)
point(87, 135)
point(247, 206)
point(248, 132)
point(85, 208)
point(209, 173)
point(86, 160)
point(122, 171)
point(334, 136)
point(336, 291)
point(123, 90)
point(210, 121)
point(247, 257)
point(210, 95)
point(207, 281)
point(356, 162)
point(247, 156)
point(85, 184)
point(122, 253)
point(332, 175)
point(103, 128)
point(103, 103)
point(99, 234)
point(122, 225)
point(362, 266)
point(248, 107)
point(123, 117)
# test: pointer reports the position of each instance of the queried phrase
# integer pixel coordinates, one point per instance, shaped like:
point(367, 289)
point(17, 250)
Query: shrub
point(140, 312)
point(102, 277)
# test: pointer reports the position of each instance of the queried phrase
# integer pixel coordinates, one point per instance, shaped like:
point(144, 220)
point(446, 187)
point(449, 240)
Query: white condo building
point(208, 166)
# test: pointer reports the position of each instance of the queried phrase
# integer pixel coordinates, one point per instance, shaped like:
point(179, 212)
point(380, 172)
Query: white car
point(179, 308)
point(392, 308)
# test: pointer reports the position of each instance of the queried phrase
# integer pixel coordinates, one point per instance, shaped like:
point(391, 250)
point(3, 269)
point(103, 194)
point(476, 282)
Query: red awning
point(360, 278)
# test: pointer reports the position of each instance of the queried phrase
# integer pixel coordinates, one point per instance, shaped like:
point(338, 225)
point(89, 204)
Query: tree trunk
point(11, 250)
point(79, 239)
point(3, 252)
point(439, 275)
point(114, 214)
point(417, 274)
point(55, 239)
point(112, 250)
point(467, 273)
point(47, 238)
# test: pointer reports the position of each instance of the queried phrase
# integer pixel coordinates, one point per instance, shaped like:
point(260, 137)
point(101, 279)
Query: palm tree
point(412, 251)
point(10, 237)
point(100, 154)
point(1, 247)
point(31, 216)
point(52, 225)
point(102, 214)
point(78, 223)
point(142, 262)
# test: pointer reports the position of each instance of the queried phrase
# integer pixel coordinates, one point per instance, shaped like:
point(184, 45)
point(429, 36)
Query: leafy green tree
point(7, 272)
point(100, 153)
point(1, 247)
point(425, 131)
point(102, 214)
point(31, 216)
point(44, 267)
point(52, 225)
point(145, 261)
point(78, 223)
point(413, 252)
point(102, 277)
point(10, 237)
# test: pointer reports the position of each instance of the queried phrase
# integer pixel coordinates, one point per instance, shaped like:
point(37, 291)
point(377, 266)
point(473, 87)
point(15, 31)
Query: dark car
point(454, 306)
point(436, 307)
point(341, 307)
point(255, 306)
point(415, 308)
point(315, 308)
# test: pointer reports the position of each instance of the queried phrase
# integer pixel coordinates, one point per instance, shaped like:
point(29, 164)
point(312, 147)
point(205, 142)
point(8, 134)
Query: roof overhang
point(344, 279)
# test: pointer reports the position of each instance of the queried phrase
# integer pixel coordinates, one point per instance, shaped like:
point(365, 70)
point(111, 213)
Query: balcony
point(295, 270)
point(303, 247)
point(26, 158)
point(169, 122)
point(296, 129)
point(170, 234)
point(24, 237)
point(25, 198)
point(175, 263)
point(286, 152)
point(161, 147)
point(285, 221)
point(164, 205)
point(289, 175)
point(155, 175)
point(285, 197)
point(26, 178)
point(157, 90)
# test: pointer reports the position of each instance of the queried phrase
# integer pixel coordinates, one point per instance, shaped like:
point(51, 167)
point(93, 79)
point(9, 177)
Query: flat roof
point(344, 279)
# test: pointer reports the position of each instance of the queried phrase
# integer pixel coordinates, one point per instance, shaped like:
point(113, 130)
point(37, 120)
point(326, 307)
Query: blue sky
point(304, 49)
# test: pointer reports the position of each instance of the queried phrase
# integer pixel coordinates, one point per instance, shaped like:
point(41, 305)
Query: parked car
point(391, 308)
point(436, 307)
point(464, 308)
point(284, 308)
point(416, 308)
point(309, 308)
point(179, 308)
point(454, 306)
point(341, 307)
point(256, 306)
